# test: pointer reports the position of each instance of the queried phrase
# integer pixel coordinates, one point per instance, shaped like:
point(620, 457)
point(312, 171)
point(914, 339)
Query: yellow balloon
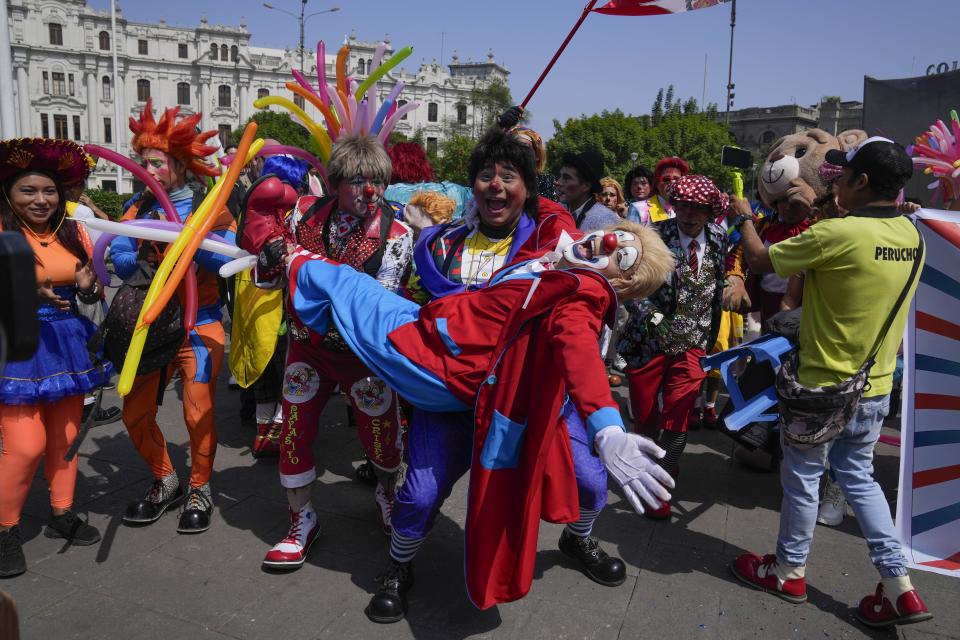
point(318, 133)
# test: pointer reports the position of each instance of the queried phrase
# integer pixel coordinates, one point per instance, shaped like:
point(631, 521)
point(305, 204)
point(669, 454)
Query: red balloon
point(610, 242)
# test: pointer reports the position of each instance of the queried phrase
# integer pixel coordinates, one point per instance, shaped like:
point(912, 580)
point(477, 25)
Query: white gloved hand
point(630, 459)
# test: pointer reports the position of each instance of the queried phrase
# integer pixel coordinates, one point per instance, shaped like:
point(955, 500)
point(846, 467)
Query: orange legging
point(29, 431)
point(140, 409)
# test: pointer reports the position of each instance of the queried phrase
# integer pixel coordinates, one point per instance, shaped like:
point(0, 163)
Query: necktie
point(692, 260)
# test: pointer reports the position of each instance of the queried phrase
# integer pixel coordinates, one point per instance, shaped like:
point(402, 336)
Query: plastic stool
point(766, 348)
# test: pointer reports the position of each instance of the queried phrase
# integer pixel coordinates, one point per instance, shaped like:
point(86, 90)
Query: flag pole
point(536, 85)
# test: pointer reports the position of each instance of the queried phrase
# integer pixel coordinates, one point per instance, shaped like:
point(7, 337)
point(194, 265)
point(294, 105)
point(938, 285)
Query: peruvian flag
point(654, 7)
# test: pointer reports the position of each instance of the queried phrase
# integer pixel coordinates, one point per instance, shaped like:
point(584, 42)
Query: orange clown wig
point(177, 139)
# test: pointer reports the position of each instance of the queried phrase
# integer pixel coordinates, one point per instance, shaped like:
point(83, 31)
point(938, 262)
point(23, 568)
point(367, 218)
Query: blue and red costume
point(514, 351)
point(440, 444)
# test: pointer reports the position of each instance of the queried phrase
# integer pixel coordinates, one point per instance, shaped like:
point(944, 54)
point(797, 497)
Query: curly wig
point(410, 163)
point(177, 139)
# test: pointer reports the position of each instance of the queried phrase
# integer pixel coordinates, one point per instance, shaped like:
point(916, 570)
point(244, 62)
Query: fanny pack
point(811, 416)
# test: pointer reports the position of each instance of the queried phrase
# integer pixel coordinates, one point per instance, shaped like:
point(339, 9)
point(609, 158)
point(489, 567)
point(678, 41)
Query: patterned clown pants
point(310, 377)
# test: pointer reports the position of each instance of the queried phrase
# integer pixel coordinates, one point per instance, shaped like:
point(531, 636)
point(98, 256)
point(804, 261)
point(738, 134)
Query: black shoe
point(366, 474)
point(195, 517)
point(389, 603)
point(12, 560)
point(598, 566)
point(151, 508)
point(73, 529)
point(106, 416)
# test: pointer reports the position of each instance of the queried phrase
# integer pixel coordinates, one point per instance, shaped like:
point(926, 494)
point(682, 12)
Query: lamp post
point(303, 19)
point(633, 161)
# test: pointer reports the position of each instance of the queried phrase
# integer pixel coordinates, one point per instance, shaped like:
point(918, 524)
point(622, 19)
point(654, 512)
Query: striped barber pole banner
point(928, 505)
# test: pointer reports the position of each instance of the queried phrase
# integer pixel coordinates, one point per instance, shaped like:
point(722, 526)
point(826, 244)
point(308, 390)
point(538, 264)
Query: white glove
point(630, 459)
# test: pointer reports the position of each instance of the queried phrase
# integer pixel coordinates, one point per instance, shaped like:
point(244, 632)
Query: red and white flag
point(654, 7)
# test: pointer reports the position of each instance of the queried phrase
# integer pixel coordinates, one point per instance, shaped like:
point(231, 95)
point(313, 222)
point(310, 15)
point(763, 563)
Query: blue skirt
point(61, 366)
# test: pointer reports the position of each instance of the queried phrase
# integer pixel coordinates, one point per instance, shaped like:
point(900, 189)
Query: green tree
point(451, 162)
point(615, 135)
point(656, 111)
point(693, 135)
point(489, 102)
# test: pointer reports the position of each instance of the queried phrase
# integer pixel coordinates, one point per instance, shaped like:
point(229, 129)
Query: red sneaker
point(709, 419)
point(760, 573)
point(660, 513)
point(266, 444)
point(877, 611)
point(291, 552)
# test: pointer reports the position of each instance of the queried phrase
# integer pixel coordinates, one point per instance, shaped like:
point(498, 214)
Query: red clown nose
point(368, 191)
point(609, 242)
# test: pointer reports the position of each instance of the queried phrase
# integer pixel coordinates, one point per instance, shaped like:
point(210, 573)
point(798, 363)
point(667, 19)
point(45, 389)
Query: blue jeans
point(851, 458)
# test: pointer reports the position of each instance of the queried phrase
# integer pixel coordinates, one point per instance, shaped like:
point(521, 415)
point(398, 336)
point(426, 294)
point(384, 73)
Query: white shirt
point(702, 246)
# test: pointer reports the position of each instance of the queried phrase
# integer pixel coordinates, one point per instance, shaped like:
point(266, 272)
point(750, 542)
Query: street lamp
point(302, 18)
point(633, 162)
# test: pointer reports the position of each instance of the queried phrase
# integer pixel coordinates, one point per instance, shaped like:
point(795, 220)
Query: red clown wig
point(672, 162)
point(410, 163)
point(178, 139)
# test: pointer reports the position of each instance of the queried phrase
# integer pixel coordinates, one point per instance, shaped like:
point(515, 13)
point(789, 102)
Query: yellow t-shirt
point(856, 268)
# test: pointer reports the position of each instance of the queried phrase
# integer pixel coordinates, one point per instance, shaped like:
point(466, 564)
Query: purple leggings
point(439, 450)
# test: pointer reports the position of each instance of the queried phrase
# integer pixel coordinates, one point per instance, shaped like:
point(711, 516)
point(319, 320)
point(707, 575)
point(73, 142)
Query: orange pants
point(140, 408)
point(29, 431)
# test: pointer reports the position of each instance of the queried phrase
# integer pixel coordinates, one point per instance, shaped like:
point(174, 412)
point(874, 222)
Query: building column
point(8, 120)
point(93, 126)
point(23, 98)
point(205, 105)
point(244, 103)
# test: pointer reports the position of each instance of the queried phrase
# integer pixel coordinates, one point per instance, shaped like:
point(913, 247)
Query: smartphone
point(736, 157)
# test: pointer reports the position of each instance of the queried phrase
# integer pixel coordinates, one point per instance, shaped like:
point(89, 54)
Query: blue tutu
point(61, 366)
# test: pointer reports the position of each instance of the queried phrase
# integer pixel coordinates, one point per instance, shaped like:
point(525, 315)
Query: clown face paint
point(612, 253)
point(360, 196)
point(500, 193)
point(164, 168)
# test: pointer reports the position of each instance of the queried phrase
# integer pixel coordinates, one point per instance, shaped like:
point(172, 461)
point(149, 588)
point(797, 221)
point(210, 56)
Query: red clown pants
point(309, 379)
point(679, 378)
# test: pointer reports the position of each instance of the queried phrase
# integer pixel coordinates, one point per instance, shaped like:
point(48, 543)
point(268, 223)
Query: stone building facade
point(64, 85)
point(756, 128)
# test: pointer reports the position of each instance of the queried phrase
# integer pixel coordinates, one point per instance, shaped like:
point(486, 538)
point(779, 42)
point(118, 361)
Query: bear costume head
point(791, 168)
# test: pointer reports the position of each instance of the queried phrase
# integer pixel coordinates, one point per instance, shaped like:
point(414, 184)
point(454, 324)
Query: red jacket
point(515, 349)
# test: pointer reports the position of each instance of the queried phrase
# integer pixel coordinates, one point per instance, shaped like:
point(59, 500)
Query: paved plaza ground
point(153, 583)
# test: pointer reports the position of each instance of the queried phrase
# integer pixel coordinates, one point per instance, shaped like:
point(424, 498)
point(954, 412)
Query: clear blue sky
point(786, 51)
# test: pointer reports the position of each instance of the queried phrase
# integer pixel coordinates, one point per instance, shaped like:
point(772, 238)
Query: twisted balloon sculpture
point(345, 105)
point(938, 151)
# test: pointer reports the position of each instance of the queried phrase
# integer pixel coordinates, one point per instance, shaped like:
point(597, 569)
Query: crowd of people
point(484, 343)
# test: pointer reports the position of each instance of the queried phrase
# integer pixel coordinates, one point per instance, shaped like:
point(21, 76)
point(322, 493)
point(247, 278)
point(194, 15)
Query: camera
point(19, 327)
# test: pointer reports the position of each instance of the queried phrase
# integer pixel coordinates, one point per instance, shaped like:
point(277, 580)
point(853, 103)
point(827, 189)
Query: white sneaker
point(833, 506)
point(385, 508)
point(291, 552)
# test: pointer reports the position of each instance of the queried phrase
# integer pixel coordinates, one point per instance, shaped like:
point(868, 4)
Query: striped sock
point(673, 443)
point(584, 526)
point(402, 549)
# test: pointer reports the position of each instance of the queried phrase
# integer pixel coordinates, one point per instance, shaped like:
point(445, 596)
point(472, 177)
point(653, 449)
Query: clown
point(511, 351)
point(656, 207)
point(170, 149)
point(667, 335)
point(503, 225)
point(356, 227)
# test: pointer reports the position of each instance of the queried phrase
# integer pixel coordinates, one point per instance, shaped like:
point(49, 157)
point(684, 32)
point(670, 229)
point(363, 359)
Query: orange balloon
point(332, 124)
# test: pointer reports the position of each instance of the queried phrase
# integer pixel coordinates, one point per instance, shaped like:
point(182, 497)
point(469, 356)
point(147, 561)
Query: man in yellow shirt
point(855, 268)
